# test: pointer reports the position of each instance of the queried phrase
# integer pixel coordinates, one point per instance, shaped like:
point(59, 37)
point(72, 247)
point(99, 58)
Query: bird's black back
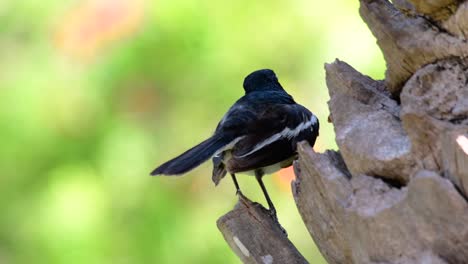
point(247, 109)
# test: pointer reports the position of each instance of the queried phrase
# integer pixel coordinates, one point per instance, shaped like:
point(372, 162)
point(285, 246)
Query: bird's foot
point(274, 216)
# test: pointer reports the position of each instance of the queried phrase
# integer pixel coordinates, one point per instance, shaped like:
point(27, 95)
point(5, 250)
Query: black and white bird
point(258, 135)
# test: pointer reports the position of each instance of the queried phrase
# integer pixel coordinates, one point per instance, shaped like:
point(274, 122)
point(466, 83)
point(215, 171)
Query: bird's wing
point(273, 124)
point(249, 110)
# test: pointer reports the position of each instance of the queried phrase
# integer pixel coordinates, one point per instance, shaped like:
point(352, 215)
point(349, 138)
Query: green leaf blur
point(95, 94)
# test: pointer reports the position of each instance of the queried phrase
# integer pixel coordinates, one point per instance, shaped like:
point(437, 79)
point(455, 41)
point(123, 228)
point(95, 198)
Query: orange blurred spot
point(94, 24)
point(139, 97)
point(284, 177)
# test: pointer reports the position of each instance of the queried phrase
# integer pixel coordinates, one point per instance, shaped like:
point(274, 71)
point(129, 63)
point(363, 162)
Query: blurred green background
point(95, 94)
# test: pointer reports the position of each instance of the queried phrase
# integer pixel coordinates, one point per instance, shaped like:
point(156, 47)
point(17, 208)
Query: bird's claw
point(274, 216)
point(272, 213)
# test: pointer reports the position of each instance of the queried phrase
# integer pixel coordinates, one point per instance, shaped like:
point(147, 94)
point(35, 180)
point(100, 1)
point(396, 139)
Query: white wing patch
point(285, 133)
point(229, 146)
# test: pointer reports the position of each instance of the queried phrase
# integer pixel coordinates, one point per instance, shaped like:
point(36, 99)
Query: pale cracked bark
point(253, 235)
point(397, 190)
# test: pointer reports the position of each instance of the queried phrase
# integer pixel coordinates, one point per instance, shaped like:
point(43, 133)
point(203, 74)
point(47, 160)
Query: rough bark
point(253, 235)
point(408, 42)
point(396, 192)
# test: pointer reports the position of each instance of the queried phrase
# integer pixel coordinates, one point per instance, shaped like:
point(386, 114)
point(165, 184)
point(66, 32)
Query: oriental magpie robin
point(258, 135)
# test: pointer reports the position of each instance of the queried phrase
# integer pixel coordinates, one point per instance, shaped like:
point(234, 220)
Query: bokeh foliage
point(94, 94)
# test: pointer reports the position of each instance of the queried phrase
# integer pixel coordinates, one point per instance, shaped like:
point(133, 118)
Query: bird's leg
point(238, 191)
point(258, 176)
point(272, 210)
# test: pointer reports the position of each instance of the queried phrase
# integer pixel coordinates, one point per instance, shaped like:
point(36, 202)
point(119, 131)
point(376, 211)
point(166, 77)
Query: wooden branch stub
point(255, 237)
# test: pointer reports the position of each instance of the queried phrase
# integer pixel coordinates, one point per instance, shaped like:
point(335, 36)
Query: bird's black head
point(261, 80)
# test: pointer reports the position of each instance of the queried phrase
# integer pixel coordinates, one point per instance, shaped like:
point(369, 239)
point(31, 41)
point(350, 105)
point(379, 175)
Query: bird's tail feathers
point(219, 169)
point(193, 157)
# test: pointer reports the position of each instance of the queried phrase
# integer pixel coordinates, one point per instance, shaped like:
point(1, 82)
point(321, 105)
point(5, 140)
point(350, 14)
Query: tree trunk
point(397, 190)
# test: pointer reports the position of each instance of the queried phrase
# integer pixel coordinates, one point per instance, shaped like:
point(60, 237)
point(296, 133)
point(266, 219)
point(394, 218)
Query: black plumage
point(258, 134)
